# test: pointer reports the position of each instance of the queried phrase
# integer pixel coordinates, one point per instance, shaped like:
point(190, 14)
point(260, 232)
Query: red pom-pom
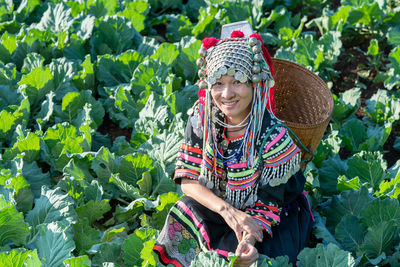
point(209, 42)
point(258, 37)
point(236, 34)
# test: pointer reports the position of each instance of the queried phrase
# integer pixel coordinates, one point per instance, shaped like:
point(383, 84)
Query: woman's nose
point(227, 92)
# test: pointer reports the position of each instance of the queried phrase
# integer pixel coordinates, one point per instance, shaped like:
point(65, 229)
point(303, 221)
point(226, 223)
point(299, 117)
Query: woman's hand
point(242, 223)
point(247, 253)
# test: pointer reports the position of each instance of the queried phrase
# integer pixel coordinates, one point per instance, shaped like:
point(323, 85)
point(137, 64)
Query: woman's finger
point(255, 230)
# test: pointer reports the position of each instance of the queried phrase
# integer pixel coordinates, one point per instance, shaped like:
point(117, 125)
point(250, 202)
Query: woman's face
point(233, 98)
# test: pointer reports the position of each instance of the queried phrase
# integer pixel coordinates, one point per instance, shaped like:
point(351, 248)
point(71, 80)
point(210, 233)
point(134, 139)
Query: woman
point(238, 166)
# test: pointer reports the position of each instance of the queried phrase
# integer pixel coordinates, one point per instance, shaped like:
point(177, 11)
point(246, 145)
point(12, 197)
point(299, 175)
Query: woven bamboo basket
point(304, 103)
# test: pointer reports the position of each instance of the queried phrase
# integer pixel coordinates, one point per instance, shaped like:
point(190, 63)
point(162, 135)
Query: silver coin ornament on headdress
point(238, 57)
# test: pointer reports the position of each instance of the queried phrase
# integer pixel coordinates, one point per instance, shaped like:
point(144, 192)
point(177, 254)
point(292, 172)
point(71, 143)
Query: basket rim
point(319, 81)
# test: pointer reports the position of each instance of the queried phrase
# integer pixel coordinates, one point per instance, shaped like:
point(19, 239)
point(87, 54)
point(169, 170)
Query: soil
point(113, 130)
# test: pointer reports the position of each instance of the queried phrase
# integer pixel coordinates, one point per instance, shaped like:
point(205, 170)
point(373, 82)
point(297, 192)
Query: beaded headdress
point(247, 60)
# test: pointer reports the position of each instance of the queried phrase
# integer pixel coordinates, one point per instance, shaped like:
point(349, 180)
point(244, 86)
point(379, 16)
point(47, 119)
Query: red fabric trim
point(192, 149)
point(272, 208)
point(163, 258)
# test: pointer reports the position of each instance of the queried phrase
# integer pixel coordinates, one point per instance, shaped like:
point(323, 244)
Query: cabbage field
point(93, 101)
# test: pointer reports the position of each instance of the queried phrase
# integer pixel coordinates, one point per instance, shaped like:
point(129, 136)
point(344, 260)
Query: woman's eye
point(236, 82)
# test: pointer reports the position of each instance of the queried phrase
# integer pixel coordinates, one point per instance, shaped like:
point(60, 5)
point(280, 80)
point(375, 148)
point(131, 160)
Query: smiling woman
point(238, 166)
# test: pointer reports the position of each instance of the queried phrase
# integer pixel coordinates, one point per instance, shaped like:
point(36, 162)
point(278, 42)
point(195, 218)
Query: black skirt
point(191, 228)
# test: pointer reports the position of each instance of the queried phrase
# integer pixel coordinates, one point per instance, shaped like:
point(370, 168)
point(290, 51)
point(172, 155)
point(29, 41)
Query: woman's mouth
point(229, 104)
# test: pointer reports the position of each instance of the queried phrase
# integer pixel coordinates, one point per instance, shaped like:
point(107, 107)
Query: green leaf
point(321, 231)
point(121, 147)
point(345, 184)
point(106, 252)
point(130, 212)
point(369, 167)
point(63, 138)
point(153, 116)
point(149, 73)
point(328, 147)
point(46, 110)
point(330, 170)
point(114, 71)
point(36, 84)
point(12, 226)
point(133, 166)
point(93, 211)
point(347, 105)
point(85, 236)
point(381, 210)
point(167, 200)
point(207, 21)
point(85, 78)
point(79, 168)
point(100, 8)
point(347, 203)
point(132, 248)
point(20, 258)
point(19, 188)
point(396, 144)
point(166, 53)
point(380, 238)
point(145, 184)
point(377, 137)
point(63, 71)
point(390, 188)
point(54, 243)
point(383, 106)
point(104, 164)
point(125, 188)
point(162, 183)
point(393, 35)
point(32, 174)
point(31, 62)
point(114, 35)
point(85, 28)
point(373, 48)
point(148, 255)
point(56, 19)
point(28, 144)
point(136, 12)
point(207, 259)
point(74, 102)
point(82, 261)
point(263, 261)
point(392, 74)
point(353, 133)
point(121, 105)
point(350, 232)
point(325, 256)
point(52, 206)
point(185, 65)
point(164, 149)
point(115, 233)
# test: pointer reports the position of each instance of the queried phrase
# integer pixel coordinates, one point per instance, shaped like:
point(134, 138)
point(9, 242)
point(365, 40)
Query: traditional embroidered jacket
point(232, 178)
